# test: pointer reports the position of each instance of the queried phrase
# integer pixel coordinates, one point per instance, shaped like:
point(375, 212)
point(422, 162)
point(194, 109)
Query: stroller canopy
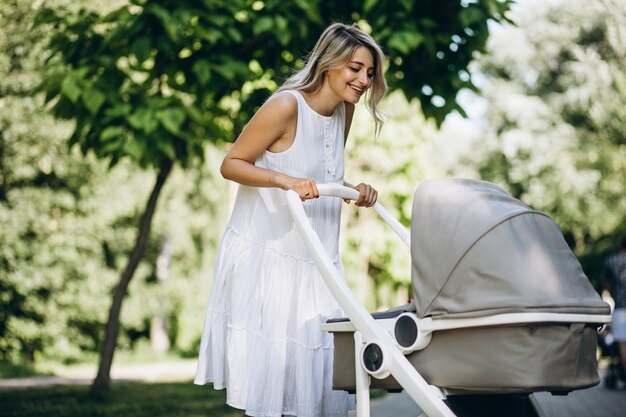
point(477, 251)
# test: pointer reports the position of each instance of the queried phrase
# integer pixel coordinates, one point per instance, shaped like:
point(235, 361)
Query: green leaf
point(471, 15)
point(169, 24)
point(202, 69)
point(263, 24)
point(231, 69)
point(194, 114)
point(234, 34)
point(369, 5)
point(406, 4)
point(282, 31)
point(405, 42)
point(46, 15)
point(111, 132)
point(209, 34)
point(461, 110)
point(225, 72)
point(117, 15)
point(110, 147)
point(143, 119)
point(171, 119)
point(167, 148)
point(118, 110)
point(141, 47)
point(133, 149)
point(93, 99)
point(70, 88)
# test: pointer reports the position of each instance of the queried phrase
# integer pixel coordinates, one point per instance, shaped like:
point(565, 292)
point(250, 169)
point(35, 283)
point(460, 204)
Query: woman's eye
point(354, 69)
point(371, 75)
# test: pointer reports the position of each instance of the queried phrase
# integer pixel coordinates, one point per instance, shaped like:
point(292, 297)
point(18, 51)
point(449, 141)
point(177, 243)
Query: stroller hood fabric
point(477, 251)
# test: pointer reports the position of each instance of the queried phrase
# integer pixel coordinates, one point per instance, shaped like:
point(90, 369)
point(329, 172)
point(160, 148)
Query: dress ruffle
point(261, 337)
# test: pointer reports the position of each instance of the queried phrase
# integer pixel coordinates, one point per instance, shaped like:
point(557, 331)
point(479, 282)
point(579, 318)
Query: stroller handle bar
point(336, 190)
point(429, 400)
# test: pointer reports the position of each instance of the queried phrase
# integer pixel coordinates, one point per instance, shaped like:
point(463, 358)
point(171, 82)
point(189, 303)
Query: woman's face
point(350, 81)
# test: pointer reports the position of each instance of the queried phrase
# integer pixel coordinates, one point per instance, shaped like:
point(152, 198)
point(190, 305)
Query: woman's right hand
point(305, 187)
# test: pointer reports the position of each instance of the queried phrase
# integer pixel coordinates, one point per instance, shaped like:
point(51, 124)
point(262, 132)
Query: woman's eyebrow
point(360, 63)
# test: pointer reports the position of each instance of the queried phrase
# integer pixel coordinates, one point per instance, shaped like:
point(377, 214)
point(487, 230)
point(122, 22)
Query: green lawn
point(126, 399)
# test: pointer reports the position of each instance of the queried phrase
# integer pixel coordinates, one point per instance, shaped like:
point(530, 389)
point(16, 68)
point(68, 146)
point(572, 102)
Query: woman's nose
point(364, 78)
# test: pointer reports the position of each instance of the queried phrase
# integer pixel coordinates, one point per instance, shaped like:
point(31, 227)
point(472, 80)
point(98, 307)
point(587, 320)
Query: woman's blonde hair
point(335, 48)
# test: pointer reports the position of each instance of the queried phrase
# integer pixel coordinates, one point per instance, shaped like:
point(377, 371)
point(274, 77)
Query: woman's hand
point(305, 187)
point(367, 195)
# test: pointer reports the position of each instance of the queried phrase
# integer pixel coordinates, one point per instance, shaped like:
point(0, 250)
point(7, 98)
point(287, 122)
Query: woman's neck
point(322, 101)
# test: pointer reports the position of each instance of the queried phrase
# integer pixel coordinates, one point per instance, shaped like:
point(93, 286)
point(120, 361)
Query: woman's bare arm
point(271, 128)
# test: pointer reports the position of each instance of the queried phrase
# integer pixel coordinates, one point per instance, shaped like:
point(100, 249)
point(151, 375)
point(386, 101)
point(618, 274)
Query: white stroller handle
point(341, 191)
point(418, 389)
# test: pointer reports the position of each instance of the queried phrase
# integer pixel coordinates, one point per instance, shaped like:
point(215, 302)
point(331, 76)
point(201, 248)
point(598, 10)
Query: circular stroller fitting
point(407, 333)
point(375, 361)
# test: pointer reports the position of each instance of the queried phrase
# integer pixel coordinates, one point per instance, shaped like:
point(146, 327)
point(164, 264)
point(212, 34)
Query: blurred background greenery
point(550, 127)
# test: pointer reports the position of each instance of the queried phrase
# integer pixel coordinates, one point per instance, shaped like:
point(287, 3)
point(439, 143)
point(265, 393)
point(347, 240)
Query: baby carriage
point(501, 305)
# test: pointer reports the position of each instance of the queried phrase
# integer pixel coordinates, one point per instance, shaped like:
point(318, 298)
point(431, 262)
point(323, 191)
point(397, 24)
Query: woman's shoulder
point(284, 103)
point(278, 108)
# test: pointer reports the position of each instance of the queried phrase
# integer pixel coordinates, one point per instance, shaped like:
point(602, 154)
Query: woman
point(261, 338)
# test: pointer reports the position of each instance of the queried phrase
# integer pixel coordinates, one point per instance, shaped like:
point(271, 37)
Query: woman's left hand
point(367, 195)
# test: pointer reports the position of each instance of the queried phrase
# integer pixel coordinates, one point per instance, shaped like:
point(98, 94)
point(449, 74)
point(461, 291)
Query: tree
point(67, 224)
point(431, 44)
point(555, 85)
point(154, 80)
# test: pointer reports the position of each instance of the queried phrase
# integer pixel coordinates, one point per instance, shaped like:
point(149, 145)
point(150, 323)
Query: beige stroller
point(501, 305)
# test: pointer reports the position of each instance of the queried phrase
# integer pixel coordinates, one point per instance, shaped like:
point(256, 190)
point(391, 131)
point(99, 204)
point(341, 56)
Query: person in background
point(615, 281)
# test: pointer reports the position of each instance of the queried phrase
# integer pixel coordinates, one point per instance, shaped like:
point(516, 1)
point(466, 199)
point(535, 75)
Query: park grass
point(126, 399)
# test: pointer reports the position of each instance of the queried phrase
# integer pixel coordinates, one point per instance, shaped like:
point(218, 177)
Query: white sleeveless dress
point(261, 337)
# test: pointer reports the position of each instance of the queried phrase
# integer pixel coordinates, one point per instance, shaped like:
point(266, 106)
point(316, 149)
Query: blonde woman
point(261, 338)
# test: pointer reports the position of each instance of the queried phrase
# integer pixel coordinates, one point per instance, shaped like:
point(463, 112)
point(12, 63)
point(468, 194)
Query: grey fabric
point(477, 251)
point(492, 360)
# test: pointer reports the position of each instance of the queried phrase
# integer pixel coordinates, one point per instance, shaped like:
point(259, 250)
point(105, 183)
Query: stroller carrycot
point(501, 304)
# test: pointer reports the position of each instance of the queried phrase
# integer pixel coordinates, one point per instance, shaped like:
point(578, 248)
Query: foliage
point(62, 248)
point(19, 370)
point(156, 80)
point(127, 399)
point(152, 80)
point(431, 44)
point(67, 225)
point(149, 81)
point(37, 198)
point(556, 88)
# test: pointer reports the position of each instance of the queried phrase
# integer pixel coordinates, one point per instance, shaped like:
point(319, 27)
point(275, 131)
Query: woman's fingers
point(306, 188)
point(367, 195)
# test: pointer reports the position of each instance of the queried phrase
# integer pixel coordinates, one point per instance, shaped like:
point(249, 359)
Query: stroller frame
point(377, 353)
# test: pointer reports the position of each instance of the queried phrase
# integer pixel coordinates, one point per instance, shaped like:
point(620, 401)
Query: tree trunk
point(103, 379)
